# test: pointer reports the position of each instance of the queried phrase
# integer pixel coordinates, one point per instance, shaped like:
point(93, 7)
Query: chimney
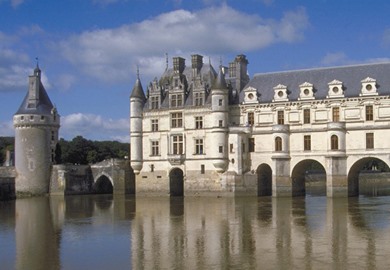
point(178, 65)
point(197, 63)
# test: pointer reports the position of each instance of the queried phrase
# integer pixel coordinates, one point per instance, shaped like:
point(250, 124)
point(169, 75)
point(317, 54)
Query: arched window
point(278, 144)
point(334, 142)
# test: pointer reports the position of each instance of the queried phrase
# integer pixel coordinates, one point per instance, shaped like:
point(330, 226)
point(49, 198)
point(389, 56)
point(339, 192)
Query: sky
point(89, 50)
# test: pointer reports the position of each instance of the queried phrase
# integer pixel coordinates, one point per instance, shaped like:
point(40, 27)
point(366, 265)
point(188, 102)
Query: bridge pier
point(336, 178)
point(281, 180)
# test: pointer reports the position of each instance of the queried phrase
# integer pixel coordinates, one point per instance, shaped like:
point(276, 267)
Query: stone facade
point(196, 131)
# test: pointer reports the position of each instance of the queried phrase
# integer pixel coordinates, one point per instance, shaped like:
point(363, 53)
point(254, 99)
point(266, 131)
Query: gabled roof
point(350, 76)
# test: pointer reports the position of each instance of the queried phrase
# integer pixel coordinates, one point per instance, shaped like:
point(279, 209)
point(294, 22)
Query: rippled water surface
point(105, 232)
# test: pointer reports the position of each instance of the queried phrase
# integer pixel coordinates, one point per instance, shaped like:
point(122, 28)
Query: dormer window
point(280, 93)
point(306, 91)
point(335, 89)
point(368, 87)
point(250, 95)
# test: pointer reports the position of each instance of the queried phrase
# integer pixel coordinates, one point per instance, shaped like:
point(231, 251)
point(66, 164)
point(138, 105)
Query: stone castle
point(198, 130)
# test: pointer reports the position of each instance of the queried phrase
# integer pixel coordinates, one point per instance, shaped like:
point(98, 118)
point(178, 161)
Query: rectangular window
point(280, 117)
point(251, 118)
point(176, 100)
point(307, 142)
point(152, 167)
point(306, 116)
point(369, 140)
point(202, 169)
point(220, 102)
point(251, 144)
point(154, 123)
point(220, 123)
point(154, 102)
point(176, 120)
point(220, 149)
point(198, 99)
point(369, 113)
point(198, 122)
point(155, 148)
point(231, 148)
point(177, 143)
point(198, 146)
point(335, 114)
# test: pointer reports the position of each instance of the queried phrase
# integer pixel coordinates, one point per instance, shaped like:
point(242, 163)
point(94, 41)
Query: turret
point(219, 107)
point(137, 102)
point(36, 126)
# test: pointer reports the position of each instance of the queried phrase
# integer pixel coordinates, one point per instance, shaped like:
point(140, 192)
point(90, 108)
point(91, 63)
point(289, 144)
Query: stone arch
point(103, 185)
point(364, 164)
point(264, 180)
point(176, 183)
point(302, 170)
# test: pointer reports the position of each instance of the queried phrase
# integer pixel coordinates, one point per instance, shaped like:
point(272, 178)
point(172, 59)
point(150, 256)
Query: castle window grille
point(155, 102)
point(369, 113)
point(177, 120)
point(220, 149)
point(280, 117)
point(307, 142)
point(198, 99)
point(334, 142)
point(198, 146)
point(335, 114)
point(369, 140)
point(278, 144)
point(251, 145)
point(198, 122)
point(251, 118)
point(306, 116)
point(154, 124)
point(176, 100)
point(177, 143)
point(155, 148)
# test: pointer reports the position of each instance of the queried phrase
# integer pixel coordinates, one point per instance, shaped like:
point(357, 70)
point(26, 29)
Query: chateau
point(200, 130)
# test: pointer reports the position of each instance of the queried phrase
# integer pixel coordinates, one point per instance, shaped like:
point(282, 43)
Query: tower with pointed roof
point(137, 102)
point(36, 126)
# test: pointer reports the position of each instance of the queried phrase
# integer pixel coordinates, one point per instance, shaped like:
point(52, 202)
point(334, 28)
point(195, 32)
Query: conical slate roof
point(36, 100)
point(220, 82)
point(138, 91)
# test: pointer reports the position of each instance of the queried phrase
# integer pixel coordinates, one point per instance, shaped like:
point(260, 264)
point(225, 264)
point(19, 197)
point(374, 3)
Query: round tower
point(219, 107)
point(137, 102)
point(36, 126)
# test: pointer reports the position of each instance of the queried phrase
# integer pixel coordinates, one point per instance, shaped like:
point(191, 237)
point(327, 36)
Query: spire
point(138, 91)
point(220, 82)
point(37, 71)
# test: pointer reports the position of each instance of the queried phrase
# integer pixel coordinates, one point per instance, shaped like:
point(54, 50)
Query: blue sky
point(89, 50)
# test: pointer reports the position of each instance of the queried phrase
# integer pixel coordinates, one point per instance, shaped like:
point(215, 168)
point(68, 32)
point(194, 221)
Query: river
point(127, 232)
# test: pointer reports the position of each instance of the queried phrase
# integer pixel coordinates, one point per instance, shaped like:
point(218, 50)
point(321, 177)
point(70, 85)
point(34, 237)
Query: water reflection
point(103, 232)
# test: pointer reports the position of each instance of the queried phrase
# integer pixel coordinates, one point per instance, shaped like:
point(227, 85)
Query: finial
point(37, 61)
point(220, 61)
point(137, 71)
point(166, 61)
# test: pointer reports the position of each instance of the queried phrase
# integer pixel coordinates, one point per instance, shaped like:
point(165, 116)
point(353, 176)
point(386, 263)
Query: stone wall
point(7, 183)
point(71, 180)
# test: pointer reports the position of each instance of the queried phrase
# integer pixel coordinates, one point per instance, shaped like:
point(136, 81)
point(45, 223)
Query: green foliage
point(6, 143)
point(83, 151)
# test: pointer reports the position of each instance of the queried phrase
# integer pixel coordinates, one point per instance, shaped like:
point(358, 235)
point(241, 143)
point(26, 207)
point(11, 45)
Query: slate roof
point(138, 91)
point(43, 105)
point(350, 76)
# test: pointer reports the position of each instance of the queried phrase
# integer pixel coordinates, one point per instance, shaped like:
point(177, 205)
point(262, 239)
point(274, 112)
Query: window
point(220, 149)
point(251, 118)
point(251, 145)
point(202, 170)
point(154, 102)
point(152, 167)
point(177, 120)
point(53, 136)
point(198, 122)
point(198, 146)
point(177, 144)
point(220, 102)
point(278, 144)
point(369, 113)
point(220, 123)
point(176, 100)
point(306, 116)
point(307, 142)
point(334, 142)
point(335, 114)
point(281, 117)
point(154, 123)
point(155, 148)
point(198, 99)
point(231, 148)
point(369, 140)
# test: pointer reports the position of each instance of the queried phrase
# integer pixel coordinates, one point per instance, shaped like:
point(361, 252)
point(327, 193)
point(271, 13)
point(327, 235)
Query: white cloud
point(7, 129)
point(111, 54)
point(94, 127)
point(336, 58)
